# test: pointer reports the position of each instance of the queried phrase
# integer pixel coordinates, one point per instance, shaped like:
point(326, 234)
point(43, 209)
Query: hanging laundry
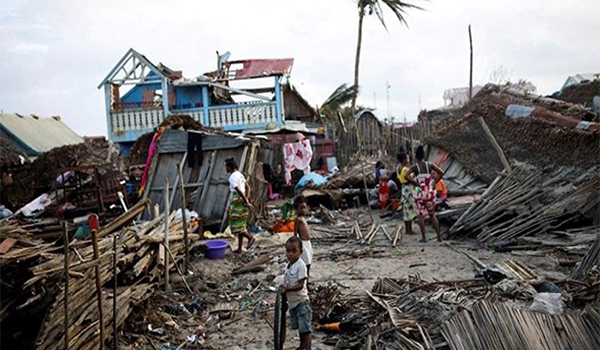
point(194, 149)
point(151, 152)
point(297, 155)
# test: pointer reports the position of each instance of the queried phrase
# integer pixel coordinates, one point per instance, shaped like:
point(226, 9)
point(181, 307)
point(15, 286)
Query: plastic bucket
point(216, 249)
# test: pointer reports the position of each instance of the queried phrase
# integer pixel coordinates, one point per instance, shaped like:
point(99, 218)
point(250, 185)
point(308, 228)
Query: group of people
point(419, 191)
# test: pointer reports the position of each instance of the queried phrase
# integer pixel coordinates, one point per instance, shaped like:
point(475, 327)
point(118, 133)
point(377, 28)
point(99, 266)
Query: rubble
point(40, 283)
point(37, 177)
point(526, 202)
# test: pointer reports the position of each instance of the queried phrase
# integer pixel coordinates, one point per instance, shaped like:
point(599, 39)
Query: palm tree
point(333, 104)
point(399, 9)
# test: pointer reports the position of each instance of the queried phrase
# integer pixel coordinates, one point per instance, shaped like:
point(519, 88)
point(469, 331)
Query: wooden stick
point(374, 234)
point(66, 291)
point(397, 236)
point(179, 271)
point(186, 260)
point(98, 283)
point(495, 144)
point(477, 262)
point(362, 169)
point(386, 233)
point(358, 231)
point(115, 326)
point(166, 241)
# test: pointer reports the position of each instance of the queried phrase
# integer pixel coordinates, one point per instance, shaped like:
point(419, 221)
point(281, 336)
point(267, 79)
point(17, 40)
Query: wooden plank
point(7, 244)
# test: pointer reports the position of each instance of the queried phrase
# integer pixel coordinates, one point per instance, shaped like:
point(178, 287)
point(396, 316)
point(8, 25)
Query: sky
point(53, 54)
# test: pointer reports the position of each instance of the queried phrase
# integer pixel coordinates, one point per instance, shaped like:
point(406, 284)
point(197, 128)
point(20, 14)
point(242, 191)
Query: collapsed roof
point(537, 141)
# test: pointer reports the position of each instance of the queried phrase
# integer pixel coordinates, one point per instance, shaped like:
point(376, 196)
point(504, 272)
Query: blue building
point(139, 95)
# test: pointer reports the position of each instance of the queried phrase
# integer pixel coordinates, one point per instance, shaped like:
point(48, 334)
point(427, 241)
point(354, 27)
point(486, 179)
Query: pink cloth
point(297, 155)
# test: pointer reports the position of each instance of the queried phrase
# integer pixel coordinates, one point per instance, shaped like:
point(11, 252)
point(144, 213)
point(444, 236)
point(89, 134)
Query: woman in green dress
point(240, 207)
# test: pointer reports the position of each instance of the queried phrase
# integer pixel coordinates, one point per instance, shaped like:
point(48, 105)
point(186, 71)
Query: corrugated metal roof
point(38, 134)
point(257, 68)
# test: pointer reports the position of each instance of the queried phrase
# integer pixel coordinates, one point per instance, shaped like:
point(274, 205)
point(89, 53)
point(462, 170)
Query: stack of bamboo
point(589, 261)
point(497, 326)
point(523, 203)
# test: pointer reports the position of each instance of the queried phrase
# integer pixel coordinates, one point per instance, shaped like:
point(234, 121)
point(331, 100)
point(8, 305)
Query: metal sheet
point(36, 134)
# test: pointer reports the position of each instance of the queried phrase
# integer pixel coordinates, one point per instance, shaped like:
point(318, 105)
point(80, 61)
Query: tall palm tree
point(334, 103)
point(398, 7)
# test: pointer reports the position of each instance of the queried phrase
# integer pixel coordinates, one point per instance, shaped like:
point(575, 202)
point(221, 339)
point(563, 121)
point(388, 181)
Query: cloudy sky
point(53, 54)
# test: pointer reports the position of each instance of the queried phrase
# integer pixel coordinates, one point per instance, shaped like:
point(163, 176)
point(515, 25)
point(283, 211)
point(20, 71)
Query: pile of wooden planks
point(495, 326)
point(140, 260)
point(523, 203)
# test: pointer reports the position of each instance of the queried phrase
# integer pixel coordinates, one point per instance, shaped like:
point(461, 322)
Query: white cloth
point(307, 252)
point(293, 274)
point(37, 205)
point(236, 179)
point(297, 155)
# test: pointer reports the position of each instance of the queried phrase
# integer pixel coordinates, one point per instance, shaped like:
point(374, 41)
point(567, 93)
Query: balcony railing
point(243, 115)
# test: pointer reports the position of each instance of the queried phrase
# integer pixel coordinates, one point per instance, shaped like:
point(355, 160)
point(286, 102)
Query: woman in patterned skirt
point(240, 207)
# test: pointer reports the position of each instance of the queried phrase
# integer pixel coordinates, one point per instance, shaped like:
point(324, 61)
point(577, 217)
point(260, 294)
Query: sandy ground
point(432, 261)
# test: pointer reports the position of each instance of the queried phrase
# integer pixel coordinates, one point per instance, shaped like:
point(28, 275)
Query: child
point(441, 192)
point(381, 177)
point(294, 288)
point(409, 210)
point(420, 175)
point(302, 230)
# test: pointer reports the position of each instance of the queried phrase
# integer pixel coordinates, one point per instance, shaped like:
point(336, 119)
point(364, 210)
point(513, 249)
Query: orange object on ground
point(284, 226)
point(329, 327)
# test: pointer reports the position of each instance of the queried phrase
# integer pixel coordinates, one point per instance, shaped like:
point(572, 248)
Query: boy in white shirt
point(302, 230)
point(294, 287)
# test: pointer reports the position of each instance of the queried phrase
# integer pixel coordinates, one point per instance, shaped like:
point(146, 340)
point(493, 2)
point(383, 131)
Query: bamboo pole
point(186, 241)
point(115, 326)
point(97, 273)
point(492, 139)
point(66, 246)
point(470, 65)
point(362, 168)
point(166, 243)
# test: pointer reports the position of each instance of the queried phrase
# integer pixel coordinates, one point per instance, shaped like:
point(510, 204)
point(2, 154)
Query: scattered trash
point(158, 331)
point(213, 319)
point(195, 304)
point(177, 309)
point(259, 309)
point(550, 303)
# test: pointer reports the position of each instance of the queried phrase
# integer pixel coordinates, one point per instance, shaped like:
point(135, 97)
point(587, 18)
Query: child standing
point(441, 192)
point(420, 175)
point(408, 206)
point(294, 288)
point(302, 230)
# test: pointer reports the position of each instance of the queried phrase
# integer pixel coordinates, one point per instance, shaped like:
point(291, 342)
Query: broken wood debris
point(40, 287)
point(523, 203)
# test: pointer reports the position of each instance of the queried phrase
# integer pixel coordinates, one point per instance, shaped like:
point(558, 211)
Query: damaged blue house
point(140, 94)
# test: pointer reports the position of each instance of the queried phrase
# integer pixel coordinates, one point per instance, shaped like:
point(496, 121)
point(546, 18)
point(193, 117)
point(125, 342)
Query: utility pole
point(471, 65)
point(387, 93)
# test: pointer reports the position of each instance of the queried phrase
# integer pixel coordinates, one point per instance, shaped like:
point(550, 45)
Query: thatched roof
point(9, 154)
point(531, 140)
point(582, 94)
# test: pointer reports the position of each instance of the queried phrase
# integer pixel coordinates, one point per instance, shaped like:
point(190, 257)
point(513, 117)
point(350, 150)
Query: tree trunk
point(361, 15)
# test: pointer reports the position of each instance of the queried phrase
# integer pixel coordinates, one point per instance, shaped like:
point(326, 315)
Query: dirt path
point(432, 261)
